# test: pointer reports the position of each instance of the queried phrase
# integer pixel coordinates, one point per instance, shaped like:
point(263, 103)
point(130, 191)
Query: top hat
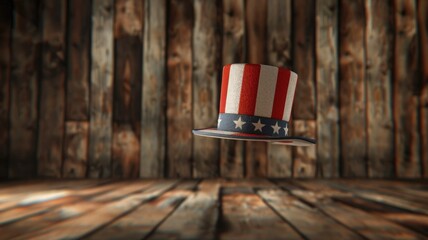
point(255, 105)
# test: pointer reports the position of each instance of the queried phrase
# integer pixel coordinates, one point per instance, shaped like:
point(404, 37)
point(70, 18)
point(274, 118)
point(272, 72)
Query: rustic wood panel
point(102, 69)
point(5, 64)
point(304, 164)
point(279, 47)
point(152, 160)
point(52, 94)
point(206, 45)
point(303, 60)
point(327, 102)
point(125, 152)
point(179, 90)
point(406, 88)
point(128, 29)
point(75, 149)
point(255, 24)
point(78, 60)
point(233, 51)
point(23, 89)
point(378, 41)
point(352, 89)
point(423, 34)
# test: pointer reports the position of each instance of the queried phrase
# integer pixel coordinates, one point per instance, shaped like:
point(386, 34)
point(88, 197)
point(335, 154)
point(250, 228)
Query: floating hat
point(255, 105)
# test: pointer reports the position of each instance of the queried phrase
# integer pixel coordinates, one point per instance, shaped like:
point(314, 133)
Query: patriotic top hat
point(255, 105)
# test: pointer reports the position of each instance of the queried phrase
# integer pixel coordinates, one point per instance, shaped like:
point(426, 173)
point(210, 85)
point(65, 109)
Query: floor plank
point(246, 216)
point(366, 224)
point(142, 221)
point(215, 209)
point(58, 213)
point(311, 222)
point(196, 218)
point(85, 224)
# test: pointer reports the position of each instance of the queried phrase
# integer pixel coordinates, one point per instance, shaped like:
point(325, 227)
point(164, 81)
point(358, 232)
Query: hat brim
point(289, 140)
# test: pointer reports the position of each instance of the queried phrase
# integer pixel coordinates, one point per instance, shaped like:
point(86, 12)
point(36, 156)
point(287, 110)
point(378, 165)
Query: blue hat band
point(252, 124)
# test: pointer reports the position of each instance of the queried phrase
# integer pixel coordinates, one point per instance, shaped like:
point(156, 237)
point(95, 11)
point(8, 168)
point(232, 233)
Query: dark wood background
point(113, 88)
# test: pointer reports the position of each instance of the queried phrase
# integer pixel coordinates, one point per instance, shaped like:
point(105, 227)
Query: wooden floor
point(214, 209)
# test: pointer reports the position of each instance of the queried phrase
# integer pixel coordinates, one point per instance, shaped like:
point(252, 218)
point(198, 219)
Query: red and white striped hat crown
point(255, 104)
point(258, 90)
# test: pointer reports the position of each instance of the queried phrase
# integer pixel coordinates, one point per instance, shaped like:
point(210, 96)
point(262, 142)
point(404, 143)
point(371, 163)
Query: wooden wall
point(113, 88)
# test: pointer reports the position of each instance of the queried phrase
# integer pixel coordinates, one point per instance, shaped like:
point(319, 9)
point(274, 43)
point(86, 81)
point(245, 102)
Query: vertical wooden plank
point(23, 89)
point(304, 164)
point(52, 96)
point(255, 19)
point(232, 152)
point(154, 88)
point(327, 102)
point(406, 87)
point(303, 58)
point(125, 152)
point(179, 94)
point(205, 87)
point(100, 133)
point(378, 40)
point(423, 33)
point(75, 149)
point(78, 60)
point(128, 33)
point(279, 54)
point(352, 88)
point(5, 62)
point(304, 157)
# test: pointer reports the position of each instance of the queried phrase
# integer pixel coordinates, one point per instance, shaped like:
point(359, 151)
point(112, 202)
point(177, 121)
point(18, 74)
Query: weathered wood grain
point(423, 36)
point(125, 152)
point(233, 51)
point(327, 88)
point(255, 25)
point(47, 218)
point(75, 149)
point(206, 46)
point(179, 89)
point(52, 94)
point(128, 30)
point(134, 226)
point(102, 70)
point(82, 225)
point(78, 60)
point(24, 92)
point(231, 159)
point(245, 216)
point(378, 42)
point(5, 65)
point(304, 164)
point(278, 53)
point(365, 224)
point(303, 59)
point(352, 89)
point(128, 33)
point(406, 88)
point(311, 222)
point(39, 203)
point(153, 132)
point(198, 215)
point(374, 195)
